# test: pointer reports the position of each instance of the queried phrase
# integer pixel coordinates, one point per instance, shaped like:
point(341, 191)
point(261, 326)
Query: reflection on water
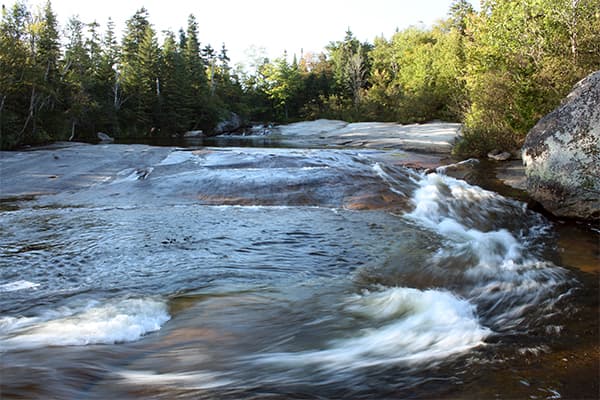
point(437, 289)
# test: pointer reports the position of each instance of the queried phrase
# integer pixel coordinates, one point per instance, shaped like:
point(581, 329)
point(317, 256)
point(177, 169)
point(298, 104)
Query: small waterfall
point(488, 252)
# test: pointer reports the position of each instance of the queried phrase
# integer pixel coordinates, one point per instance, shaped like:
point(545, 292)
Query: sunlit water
point(155, 298)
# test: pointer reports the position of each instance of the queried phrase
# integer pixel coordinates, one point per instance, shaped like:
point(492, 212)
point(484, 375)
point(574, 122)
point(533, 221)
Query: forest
point(497, 70)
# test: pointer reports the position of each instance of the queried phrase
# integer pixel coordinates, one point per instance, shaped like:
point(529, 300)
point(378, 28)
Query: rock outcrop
point(433, 137)
point(230, 124)
point(561, 154)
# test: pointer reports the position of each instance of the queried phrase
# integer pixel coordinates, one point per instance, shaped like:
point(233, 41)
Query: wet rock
point(457, 170)
point(104, 138)
point(498, 155)
point(561, 154)
point(79, 166)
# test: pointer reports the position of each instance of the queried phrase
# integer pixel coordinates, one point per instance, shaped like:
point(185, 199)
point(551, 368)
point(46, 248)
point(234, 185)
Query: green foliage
point(522, 59)
point(282, 82)
point(92, 84)
point(29, 47)
point(351, 65)
point(497, 70)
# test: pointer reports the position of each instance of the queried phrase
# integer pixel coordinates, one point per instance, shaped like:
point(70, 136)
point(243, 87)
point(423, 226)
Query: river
point(287, 273)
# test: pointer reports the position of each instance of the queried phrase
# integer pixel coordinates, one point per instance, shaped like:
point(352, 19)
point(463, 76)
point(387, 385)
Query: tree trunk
point(212, 80)
point(1, 109)
point(116, 102)
point(72, 131)
point(573, 33)
point(30, 115)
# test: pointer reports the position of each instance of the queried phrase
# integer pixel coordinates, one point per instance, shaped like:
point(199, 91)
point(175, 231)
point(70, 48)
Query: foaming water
point(405, 326)
point(90, 323)
point(18, 285)
point(187, 380)
point(503, 272)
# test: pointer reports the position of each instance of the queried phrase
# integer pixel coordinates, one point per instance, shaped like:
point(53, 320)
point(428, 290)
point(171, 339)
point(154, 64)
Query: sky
point(307, 25)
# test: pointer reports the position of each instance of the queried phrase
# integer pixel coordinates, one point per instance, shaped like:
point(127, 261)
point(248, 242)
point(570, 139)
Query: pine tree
point(15, 55)
point(45, 45)
point(93, 45)
point(107, 91)
point(78, 78)
point(48, 46)
point(196, 96)
point(224, 59)
point(134, 35)
point(130, 78)
point(149, 75)
point(175, 115)
point(209, 58)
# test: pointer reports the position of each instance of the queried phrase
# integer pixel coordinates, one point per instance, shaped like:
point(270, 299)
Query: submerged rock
point(561, 154)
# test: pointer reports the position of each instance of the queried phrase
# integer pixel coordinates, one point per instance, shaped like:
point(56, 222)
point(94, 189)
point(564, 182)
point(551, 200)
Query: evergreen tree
point(174, 114)
point(385, 95)
point(15, 55)
point(196, 94)
point(134, 88)
point(42, 120)
point(459, 12)
point(149, 76)
point(209, 57)
point(108, 91)
point(224, 60)
point(93, 45)
point(78, 78)
point(135, 32)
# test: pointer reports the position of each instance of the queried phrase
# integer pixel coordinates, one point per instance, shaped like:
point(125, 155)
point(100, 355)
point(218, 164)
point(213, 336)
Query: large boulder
point(561, 154)
point(230, 124)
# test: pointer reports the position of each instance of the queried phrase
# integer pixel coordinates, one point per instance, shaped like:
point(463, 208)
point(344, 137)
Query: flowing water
point(279, 273)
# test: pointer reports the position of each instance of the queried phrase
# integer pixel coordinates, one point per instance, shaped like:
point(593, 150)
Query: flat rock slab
point(434, 137)
point(69, 167)
point(135, 175)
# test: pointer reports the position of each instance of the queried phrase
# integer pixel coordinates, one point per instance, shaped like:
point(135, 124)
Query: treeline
point(73, 85)
point(497, 70)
